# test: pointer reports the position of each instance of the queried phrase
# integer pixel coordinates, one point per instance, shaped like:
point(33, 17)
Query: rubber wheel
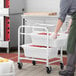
point(48, 70)
point(34, 62)
point(20, 65)
point(61, 66)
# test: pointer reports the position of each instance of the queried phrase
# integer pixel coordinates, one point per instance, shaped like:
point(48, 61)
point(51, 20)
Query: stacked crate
point(4, 24)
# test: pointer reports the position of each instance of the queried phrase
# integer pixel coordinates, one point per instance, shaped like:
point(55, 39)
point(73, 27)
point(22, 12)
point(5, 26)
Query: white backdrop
point(1, 28)
point(42, 5)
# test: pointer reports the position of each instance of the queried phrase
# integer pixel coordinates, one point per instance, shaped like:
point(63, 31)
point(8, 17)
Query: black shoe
point(66, 73)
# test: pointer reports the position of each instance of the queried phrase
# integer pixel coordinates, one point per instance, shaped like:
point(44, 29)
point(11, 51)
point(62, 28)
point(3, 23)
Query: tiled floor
point(37, 70)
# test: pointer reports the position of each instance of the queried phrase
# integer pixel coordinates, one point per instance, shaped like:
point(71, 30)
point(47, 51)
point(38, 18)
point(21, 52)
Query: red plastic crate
point(7, 29)
point(6, 3)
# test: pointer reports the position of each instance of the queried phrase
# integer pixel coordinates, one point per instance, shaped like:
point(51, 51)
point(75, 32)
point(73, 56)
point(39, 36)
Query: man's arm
point(59, 24)
point(68, 28)
point(64, 8)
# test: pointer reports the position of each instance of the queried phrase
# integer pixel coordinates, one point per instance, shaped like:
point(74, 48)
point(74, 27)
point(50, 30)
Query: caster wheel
point(61, 66)
point(34, 62)
point(48, 70)
point(20, 65)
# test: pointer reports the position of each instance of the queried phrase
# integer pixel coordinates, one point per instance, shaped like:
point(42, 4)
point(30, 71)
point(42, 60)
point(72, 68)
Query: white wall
point(42, 5)
point(16, 6)
point(1, 3)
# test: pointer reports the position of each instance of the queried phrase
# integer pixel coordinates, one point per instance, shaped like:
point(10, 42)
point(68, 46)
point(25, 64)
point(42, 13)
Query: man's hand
point(54, 35)
point(67, 31)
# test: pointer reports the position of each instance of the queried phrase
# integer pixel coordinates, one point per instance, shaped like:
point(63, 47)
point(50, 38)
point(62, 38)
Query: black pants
point(71, 61)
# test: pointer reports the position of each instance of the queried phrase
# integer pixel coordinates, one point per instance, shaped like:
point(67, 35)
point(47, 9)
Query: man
point(68, 7)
